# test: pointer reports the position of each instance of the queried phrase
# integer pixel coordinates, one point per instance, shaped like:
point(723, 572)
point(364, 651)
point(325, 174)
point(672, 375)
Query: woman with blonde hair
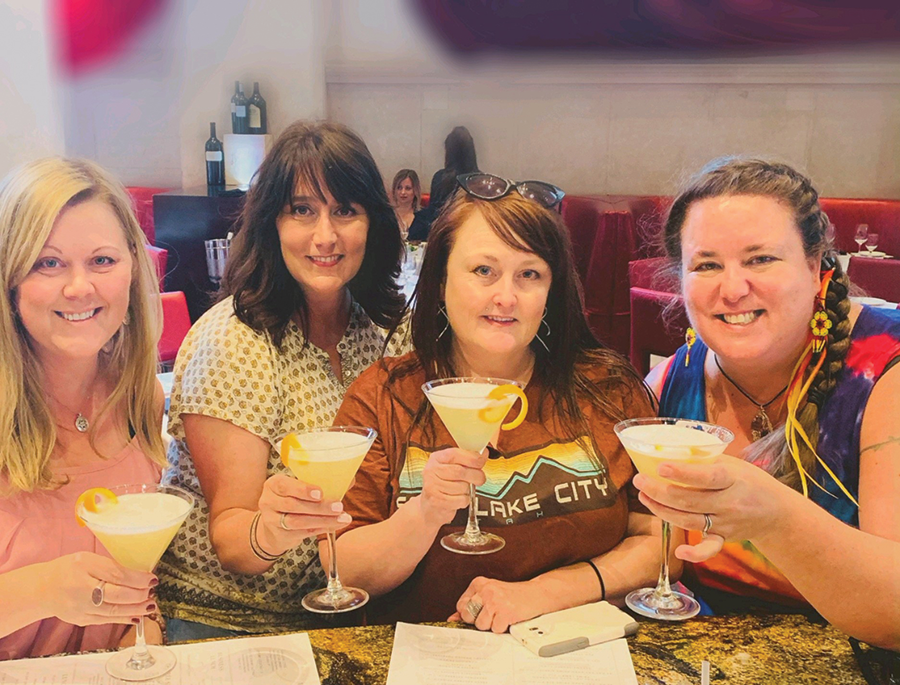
point(79, 323)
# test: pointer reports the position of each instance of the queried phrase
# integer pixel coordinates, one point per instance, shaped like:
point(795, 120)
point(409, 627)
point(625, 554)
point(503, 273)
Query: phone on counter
point(575, 628)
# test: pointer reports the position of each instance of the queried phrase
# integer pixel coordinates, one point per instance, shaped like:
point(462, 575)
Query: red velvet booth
point(176, 324)
point(142, 200)
point(653, 290)
point(882, 217)
point(878, 277)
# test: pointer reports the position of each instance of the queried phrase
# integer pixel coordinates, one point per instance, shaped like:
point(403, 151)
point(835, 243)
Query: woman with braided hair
point(806, 511)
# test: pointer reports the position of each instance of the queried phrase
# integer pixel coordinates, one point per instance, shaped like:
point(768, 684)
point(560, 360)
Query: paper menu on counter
point(450, 656)
point(270, 660)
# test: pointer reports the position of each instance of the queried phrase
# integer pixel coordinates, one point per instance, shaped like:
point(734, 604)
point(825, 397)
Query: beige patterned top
point(228, 371)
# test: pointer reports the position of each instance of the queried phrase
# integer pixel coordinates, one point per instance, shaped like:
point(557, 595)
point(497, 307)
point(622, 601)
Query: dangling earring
point(690, 337)
point(537, 335)
point(442, 310)
point(820, 326)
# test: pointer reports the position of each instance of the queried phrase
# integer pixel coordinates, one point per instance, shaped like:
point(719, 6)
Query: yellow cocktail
point(135, 523)
point(473, 410)
point(328, 458)
point(649, 443)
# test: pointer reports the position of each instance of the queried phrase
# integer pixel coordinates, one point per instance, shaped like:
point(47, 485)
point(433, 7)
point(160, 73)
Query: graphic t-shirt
point(554, 498)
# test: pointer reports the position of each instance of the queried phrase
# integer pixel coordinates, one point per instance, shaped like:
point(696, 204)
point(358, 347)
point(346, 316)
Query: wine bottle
point(257, 112)
point(215, 159)
point(239, 120)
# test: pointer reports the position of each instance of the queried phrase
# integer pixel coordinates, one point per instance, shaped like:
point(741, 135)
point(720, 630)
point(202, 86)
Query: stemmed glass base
point(473, 543)
point(132, 667)
point(335, 601)
point(675, 606)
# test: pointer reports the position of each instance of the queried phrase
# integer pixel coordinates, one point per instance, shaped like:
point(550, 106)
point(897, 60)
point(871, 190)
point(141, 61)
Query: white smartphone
point(571, 629)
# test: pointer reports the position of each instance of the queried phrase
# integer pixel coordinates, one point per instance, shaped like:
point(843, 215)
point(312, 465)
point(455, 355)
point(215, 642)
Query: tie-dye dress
point(874, 348)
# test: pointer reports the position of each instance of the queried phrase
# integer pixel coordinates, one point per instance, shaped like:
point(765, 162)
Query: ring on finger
point(474, 607)
point(706, 526)
point(282, 524)
point(97, 594)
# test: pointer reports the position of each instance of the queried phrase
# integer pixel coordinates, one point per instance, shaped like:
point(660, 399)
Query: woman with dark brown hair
point(406, 193)
point(309, 281)
point(807, 511)
point(498, 298)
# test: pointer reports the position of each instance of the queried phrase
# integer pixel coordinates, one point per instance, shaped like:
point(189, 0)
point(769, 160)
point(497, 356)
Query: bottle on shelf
point(257, 112)
point(215, 159)
point(239, 119)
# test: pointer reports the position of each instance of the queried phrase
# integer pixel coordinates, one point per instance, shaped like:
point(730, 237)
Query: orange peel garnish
point(501, 392)
point(94, 501)
point(291, 443)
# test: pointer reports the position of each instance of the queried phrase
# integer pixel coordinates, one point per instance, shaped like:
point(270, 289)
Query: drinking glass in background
point(862, 231)
point(871, 242)
point(216, 256)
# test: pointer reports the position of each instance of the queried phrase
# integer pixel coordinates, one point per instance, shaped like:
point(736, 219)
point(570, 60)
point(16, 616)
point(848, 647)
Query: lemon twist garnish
point(493, 413)
point(94, 500)
point(289, 444)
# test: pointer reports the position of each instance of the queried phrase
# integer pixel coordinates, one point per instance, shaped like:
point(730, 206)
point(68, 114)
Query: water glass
point(216, 256)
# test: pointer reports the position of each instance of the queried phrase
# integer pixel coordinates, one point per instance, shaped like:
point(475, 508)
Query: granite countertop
point(744, 650)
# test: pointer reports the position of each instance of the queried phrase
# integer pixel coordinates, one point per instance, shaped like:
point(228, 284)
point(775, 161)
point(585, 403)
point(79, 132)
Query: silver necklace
point(82, 425)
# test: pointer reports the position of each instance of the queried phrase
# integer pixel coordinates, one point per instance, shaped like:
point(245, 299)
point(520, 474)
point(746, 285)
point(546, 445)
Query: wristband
point(591, 563)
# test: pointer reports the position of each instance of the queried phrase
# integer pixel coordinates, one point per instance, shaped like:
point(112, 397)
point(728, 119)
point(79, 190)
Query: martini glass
point(649, 443)
point(136, 523)
point(329, 458)
point(473, 410)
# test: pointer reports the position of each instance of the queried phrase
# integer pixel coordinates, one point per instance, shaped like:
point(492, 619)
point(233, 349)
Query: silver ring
point(281, 522)
point(474, 607)
point(707, 525)
point(97, 594)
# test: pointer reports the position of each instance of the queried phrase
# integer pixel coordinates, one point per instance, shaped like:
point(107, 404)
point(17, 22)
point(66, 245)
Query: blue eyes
point(482, 270)
point(52, 263)
point(527, 274)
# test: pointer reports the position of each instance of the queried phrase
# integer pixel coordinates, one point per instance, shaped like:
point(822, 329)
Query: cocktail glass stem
point(141, 659)
point(663, 588)
point(473, 532)
point(335, 588)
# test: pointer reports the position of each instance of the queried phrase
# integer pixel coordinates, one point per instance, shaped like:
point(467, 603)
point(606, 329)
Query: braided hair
point(793, 190)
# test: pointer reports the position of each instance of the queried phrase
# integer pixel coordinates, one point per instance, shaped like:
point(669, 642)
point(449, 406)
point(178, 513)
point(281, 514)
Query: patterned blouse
point(228, 371)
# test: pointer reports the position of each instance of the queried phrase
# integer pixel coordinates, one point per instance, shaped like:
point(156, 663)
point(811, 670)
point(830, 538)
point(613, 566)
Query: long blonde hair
point(32, 198)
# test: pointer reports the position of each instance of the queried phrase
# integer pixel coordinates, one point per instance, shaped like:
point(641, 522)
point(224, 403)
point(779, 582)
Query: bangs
point(321, 167)
point(521, 225)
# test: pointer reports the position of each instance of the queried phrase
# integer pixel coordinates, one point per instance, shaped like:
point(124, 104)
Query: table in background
point(183, 220)
point(742, 650)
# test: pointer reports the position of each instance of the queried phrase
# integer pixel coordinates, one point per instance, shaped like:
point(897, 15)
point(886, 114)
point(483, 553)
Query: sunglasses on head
point(490, 187)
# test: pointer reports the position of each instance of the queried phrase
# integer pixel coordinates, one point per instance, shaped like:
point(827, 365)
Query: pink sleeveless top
point(39, 526)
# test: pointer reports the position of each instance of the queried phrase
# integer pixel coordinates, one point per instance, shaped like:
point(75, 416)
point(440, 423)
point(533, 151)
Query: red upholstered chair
point(649, 332)
point(142, 200)
point(160, 258)
point(581, 215)
point(878, 277)
point(176, 324)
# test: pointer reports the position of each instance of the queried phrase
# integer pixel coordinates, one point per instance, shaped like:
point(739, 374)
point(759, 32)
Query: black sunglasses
point(490, 187)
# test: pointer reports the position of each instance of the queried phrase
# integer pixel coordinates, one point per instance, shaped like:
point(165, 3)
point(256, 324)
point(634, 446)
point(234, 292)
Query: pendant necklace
point(82, 425)
point(761, 425)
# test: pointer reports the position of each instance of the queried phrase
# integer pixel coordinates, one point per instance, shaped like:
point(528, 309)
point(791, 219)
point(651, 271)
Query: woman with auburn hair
point(498, 298)
point(308, 288)
point(406, 193)
point(807, 510)
point(79, 324)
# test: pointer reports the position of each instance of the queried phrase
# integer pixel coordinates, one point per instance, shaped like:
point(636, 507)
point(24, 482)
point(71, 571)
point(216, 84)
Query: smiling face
point(494, 295)
point(404, 193)
point(76, 295)
point(749, 288)
point(323, 243)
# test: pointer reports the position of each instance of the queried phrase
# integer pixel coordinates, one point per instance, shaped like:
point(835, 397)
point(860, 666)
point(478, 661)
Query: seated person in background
point(459, 158)
point(406, 192)
point(762, 288)
point(309, 280)
point(81, 404)
point(499, 297)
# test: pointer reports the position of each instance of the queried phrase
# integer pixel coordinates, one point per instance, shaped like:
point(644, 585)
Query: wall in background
point(30, 120)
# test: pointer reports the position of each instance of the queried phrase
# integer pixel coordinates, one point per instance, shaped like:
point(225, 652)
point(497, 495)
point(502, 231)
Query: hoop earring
point(442, 310)
point(537, 336)
point(690, 337)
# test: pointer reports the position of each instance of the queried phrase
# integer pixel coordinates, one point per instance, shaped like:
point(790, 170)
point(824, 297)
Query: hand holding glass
point(135, 523)
point(329, 458)
point(649, 443)
point(473, 410)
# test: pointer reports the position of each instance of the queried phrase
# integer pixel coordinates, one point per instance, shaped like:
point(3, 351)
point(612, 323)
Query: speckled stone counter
point(743, 650)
